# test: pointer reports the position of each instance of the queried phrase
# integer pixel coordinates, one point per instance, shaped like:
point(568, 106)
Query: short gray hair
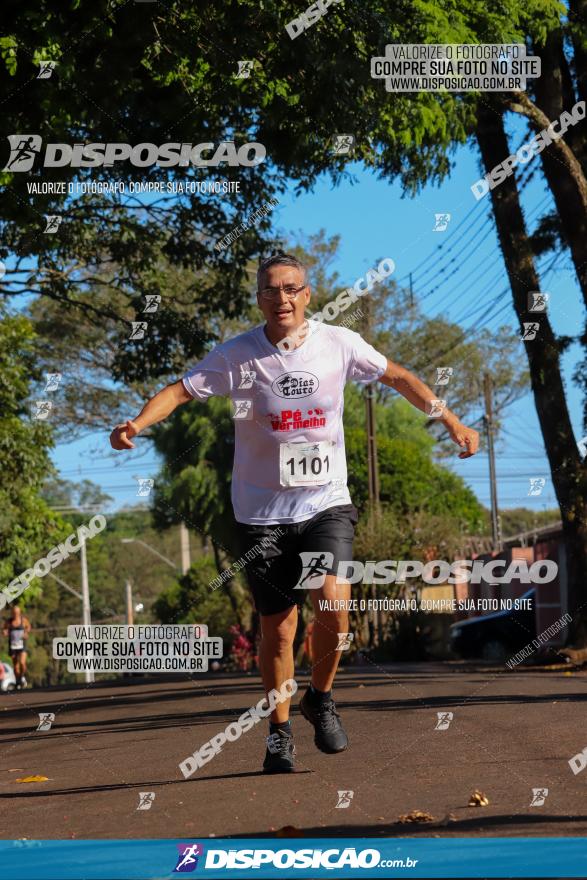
point(280, 260)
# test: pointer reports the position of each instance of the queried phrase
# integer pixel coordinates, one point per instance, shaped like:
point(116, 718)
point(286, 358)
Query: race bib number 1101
point(307, 464)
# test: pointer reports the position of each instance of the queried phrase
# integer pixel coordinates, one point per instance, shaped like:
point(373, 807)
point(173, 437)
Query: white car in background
point(7, 677)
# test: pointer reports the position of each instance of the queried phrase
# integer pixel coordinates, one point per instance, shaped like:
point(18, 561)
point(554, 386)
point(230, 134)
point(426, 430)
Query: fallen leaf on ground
point(416, 816)
point(33, 779)
point(478, 799)
point(289, 831)
point(450, 817)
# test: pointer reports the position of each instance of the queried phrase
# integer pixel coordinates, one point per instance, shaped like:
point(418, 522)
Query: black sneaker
point(279, 757)
point(329, 735)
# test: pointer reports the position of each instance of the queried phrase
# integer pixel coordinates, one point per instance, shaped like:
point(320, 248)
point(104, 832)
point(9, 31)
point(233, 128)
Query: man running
point(289, 489)
point(17, 628)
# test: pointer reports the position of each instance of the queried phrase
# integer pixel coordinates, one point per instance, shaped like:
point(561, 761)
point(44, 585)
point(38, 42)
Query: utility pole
point(86, 611)
point(489, 431)
point(184, 537)
point(130, 619)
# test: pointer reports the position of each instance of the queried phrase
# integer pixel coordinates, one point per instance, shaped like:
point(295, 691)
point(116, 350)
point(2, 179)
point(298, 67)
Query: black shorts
point(271, 555)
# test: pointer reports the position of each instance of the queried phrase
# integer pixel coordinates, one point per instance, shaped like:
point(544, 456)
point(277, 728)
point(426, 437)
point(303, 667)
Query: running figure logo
point(537, 484)
point(146, 799)
point(441, 222)
point(247, 378)
point(188, 857)
point(443, 375)
point(46, 68)
point(537, 301)
point(53, 380)
point(152, 302)
point(44, 407)
point(444, 719)
point(344, 641)
point(539, 795)
point(243, 409)
point(24, 148)
point(46, 719)
point(315, 567)
point(244, 69)
point(344, 799)
point(437, 407)
point(52, 223)
point(530, 331)
point(343, 144)
point(138, 330)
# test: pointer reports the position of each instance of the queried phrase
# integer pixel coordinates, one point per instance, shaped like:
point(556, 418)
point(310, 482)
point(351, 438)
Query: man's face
point(282, 313)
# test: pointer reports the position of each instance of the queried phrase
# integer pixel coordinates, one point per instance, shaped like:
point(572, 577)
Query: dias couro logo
point(295, 384)
point(24, 149)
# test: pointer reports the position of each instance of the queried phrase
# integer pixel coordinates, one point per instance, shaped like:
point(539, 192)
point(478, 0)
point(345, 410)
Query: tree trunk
point(566, 190)
point(568, 474)
point(578, 22)
point(559, 81)
point(559, 150)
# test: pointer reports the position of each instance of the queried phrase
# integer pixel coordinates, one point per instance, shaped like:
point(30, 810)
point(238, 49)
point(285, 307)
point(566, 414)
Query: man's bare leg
point(327, 625)
point(277, 666)
point(276, 655)
point(317, 705)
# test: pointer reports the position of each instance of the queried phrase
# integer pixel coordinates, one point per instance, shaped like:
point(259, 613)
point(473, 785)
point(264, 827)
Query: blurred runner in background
point(17, 628)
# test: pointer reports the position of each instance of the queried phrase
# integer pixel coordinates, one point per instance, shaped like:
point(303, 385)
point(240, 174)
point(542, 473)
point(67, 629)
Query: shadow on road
point(137, 723)
point(424, 829)
point(140, 785)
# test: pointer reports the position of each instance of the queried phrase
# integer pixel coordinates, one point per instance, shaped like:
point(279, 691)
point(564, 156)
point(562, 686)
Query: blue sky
point(373, 220)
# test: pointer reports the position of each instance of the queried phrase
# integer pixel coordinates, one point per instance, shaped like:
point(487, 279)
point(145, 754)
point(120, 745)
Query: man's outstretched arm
point(418, 394)
point(155, 410)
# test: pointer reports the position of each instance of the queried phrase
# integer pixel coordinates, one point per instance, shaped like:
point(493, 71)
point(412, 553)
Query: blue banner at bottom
point(304, 858)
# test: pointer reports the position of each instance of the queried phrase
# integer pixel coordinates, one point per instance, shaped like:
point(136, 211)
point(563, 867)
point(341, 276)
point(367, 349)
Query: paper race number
point(306, 464)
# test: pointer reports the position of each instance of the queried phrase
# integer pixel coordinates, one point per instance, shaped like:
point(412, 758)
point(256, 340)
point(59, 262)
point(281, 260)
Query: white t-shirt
point(289, 461)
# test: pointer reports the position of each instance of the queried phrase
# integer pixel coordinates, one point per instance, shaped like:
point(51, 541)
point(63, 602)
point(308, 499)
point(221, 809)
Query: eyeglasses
point(290, 291)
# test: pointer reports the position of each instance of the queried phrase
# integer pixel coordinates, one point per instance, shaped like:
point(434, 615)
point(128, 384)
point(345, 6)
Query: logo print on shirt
point(294, 420)
point(295, 384)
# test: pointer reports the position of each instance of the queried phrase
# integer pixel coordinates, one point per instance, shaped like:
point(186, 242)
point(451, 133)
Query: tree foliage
point(28, 527)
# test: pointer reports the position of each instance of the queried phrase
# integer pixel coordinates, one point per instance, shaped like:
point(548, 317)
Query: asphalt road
point(511, 731)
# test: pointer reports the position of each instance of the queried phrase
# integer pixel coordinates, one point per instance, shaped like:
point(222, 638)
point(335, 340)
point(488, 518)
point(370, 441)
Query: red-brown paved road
point(511, 732)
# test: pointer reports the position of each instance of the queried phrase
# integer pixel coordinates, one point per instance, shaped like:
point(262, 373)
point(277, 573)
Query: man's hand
point(121, 436)
point(155, 410)
point(466, 438)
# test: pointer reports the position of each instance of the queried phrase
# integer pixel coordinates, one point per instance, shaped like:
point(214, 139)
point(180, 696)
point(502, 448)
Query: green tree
point(293, 103)
point(191, 600)
point(410, 480)
point(520, 519)
point(28, 527)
